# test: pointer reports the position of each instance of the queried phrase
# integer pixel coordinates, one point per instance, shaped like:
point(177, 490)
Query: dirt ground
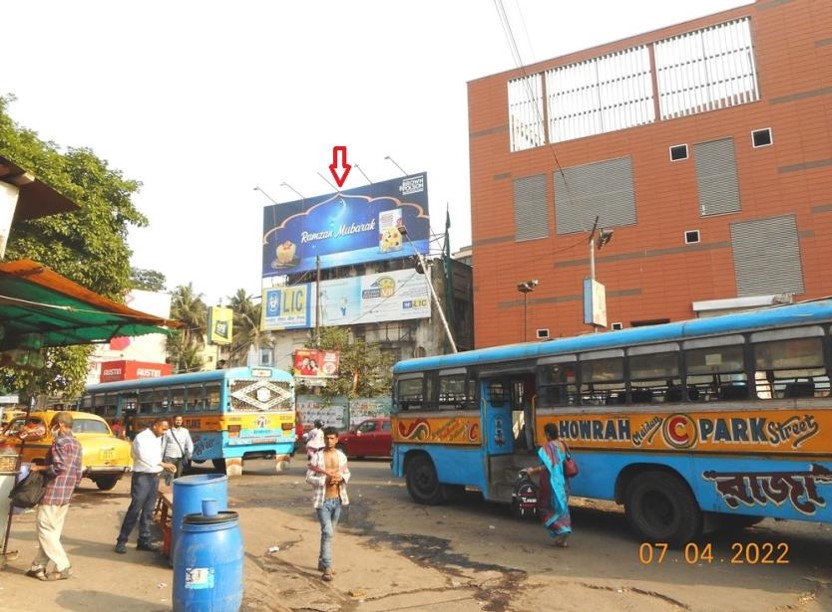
point(386, 559)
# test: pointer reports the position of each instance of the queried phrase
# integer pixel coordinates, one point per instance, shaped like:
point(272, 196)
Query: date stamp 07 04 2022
point(742, 553)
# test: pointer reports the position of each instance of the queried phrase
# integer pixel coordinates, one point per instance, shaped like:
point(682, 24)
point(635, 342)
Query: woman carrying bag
point(553, 499)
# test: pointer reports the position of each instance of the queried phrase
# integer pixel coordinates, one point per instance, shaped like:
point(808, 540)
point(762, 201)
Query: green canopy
point(36, 300)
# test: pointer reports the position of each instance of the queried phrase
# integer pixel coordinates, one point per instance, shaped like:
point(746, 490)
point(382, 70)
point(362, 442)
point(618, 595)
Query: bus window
point(146, 397)
point(177, 399)
point(212, 396)
point(717, 372)
point(602, 381)
point(498, 393)
point(558, 385)
point(410, 394)
point(654, 377)
point(452, 392)
point(790, 368)
point(195, 398)
point(160, 401)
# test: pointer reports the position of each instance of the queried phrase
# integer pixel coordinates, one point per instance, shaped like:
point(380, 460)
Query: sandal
point(561, 542)
point(328, 575)
point(37, 572)
point(63, 575)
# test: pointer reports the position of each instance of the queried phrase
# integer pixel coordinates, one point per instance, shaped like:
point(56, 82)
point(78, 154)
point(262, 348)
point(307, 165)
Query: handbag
point(570, 466)
point(28, 492)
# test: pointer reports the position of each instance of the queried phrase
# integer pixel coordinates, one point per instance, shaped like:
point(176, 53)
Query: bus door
point(496, 415)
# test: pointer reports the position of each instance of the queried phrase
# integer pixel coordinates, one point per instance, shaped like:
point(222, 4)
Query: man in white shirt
point(147, 465)
point(178, 448)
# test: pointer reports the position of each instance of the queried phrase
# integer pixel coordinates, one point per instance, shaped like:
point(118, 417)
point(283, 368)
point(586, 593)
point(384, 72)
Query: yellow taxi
point(105, 458)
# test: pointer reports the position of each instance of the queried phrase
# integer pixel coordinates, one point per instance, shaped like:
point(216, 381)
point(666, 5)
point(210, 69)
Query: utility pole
point(434, 297)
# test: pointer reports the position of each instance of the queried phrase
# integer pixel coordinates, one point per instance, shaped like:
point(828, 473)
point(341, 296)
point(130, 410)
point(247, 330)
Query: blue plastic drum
point(208, 564)
point(188, 493)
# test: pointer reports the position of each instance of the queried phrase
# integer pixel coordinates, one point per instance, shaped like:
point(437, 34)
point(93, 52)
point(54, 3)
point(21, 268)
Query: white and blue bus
point(713, 422)
point(232, 415)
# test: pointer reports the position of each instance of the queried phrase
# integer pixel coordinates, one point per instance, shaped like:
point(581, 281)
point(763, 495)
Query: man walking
point(329, 474)
point(147, 465)
point(62, 471)
point(178, 448)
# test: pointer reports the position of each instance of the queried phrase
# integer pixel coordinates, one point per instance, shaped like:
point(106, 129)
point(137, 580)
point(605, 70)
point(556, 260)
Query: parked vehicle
point(106, 458)
point(371, 438)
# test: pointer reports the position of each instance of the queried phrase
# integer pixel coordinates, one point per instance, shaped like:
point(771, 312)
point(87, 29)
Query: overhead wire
point(515, 52)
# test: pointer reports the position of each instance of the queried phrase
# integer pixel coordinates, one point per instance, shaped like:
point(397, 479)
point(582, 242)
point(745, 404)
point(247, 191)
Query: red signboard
point(316, 363)
point(132, 370)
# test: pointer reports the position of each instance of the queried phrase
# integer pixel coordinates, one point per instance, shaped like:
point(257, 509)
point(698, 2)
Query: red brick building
point(706, 147)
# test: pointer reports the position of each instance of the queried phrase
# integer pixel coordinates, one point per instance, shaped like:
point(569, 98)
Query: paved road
point(393, 554)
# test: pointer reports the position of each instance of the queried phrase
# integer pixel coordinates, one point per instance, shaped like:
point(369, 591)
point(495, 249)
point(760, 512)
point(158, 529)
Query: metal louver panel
point(603, 188)
point(531, 218)
point(716, 177)
point(767, 256)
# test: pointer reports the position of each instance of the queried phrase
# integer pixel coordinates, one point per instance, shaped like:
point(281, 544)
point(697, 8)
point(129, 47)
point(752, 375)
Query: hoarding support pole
point(318, 301)
point(434, 297)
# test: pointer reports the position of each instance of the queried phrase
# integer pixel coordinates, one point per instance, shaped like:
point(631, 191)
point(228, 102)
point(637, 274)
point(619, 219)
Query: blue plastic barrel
point(208, 564)
point(188, 493)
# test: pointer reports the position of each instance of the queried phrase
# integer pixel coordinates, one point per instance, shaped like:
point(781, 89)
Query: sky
point(202, 101)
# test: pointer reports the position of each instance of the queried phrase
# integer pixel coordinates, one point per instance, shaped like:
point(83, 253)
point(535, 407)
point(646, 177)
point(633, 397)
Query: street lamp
point(526, 287)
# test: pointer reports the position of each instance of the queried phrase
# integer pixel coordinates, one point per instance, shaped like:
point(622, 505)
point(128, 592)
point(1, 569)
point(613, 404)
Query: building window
point(706, 70)
point(603, 189)
point(525, 112)
point(761, 138)
point(716, 177)
point(531, 214)
point(265, 357)
point(616, 326)
point(692, 237)
point(600, 95)
point(678, 152)
point(767, 256)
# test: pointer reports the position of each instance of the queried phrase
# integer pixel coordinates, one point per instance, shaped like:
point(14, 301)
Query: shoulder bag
point(570, 466)
point(28, 492)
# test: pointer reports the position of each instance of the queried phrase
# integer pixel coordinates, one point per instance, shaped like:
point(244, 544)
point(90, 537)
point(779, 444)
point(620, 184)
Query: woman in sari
point(553, 498)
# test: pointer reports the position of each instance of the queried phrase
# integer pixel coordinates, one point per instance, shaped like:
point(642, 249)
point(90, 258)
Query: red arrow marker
point(339, 167)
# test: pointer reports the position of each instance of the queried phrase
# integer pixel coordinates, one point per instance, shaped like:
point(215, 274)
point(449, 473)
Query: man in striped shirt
point(62, 471)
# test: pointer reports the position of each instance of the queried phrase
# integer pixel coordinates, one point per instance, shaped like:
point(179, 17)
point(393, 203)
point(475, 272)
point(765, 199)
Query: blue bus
point(232, 415)
point(692, 426)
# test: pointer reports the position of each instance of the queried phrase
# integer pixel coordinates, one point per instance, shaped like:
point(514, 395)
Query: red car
point(372, 438)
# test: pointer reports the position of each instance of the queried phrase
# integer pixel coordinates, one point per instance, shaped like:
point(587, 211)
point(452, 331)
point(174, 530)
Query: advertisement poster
point(389, 296)
point(316, 363)
point(350, 227)
point(287, 308)
point(220, 321)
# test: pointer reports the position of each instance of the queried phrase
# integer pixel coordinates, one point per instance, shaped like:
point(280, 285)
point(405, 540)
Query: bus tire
point(422, 483)
point(661, 508)
point(219, 465)
point(106, 482)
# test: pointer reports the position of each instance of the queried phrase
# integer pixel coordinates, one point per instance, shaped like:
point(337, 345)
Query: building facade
point(705, 148)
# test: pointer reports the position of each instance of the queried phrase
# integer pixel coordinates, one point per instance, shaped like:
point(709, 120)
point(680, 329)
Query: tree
point(246, 332)
point(148, 280)
point(364, 371)
point(88, 246)
point(186, 345)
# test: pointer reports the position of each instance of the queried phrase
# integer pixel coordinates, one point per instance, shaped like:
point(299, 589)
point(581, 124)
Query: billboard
point(389, 296)
point(316, 363)
point(348, 227)
point(220, 323)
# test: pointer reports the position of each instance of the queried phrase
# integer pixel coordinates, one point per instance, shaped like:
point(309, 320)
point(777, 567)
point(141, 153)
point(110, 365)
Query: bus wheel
point(105, 483)
point(661, 508)
point(219, 465)
point(422, 482)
